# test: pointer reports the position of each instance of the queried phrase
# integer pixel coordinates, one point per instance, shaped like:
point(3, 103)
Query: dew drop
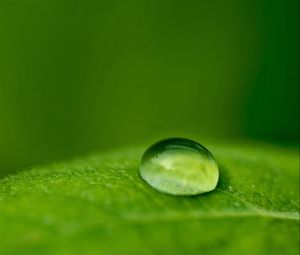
point(179, 166)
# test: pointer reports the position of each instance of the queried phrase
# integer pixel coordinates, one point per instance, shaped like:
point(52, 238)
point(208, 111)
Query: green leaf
point(100, 205)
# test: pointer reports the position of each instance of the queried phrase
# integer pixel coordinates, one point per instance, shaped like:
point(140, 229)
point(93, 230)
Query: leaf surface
point(100, 205)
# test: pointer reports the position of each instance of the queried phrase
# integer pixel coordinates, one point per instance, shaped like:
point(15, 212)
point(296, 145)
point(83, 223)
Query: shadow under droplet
point(224, 180)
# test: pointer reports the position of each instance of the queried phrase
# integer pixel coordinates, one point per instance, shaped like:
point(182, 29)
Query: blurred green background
point(78, 76)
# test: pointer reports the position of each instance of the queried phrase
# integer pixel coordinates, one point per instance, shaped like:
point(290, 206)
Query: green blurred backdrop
point(78, 76)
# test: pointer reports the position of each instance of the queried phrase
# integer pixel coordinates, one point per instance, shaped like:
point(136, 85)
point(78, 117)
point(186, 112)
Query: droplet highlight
point(179, 166)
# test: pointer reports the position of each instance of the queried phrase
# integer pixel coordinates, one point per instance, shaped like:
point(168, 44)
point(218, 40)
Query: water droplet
point(179, 166)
